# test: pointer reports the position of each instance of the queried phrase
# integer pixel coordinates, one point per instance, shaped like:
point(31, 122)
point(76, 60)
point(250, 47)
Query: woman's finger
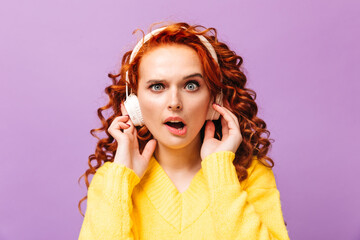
point(124, 112)
point(120, 122)
point(123, 109)
point(227, 108)
point(123, 118)
point(209, 130)
point(233, 117)
point(116, 129)
point(136, 142)
point(123, 125)
point(225, 128)
point(149, 149)
point(231, 122)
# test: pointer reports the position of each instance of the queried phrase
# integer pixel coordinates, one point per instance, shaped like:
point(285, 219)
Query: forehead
point(170, 61)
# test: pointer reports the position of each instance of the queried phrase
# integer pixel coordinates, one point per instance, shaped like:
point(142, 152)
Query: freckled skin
point(174, 96)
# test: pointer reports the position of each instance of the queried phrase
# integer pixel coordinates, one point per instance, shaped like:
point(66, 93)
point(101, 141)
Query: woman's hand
point(231, 135)
point(127, 153)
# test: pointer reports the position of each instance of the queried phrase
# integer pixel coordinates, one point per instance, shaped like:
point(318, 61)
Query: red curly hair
point(233, 81)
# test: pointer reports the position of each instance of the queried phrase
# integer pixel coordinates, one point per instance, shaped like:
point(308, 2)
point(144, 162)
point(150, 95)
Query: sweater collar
point(178, 209)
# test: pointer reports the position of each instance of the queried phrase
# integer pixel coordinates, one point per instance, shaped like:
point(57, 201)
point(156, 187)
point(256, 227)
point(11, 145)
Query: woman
point(184, 157)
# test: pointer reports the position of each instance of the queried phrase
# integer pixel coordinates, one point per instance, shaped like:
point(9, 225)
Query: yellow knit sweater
point(120, 205)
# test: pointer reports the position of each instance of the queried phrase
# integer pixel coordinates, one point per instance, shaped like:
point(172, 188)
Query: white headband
point(203, 40)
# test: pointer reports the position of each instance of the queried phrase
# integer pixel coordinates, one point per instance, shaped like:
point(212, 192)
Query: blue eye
point(156, 87)
point(192, 86)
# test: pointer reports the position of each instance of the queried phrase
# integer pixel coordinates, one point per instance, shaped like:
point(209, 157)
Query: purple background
point(301, 59)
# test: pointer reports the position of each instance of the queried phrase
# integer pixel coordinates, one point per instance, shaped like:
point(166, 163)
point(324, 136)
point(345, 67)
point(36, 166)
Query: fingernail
point(217, 104)
point(127, 124)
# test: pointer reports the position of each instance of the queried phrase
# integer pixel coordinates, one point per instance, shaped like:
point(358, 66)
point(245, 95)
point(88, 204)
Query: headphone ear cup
point(132, 106)
point(212, 114)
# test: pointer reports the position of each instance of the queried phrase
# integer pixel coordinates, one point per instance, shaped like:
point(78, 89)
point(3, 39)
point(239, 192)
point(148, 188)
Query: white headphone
point(132, 103)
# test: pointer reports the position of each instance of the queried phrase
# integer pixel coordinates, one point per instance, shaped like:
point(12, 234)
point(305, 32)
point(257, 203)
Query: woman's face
point(173, 96)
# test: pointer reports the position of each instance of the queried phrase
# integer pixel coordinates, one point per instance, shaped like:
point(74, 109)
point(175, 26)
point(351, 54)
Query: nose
point(175, 103)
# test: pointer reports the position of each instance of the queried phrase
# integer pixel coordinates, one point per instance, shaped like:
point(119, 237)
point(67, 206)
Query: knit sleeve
point(109, 203)
point(243, 212)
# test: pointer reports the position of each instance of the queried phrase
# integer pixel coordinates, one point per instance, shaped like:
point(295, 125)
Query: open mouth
point(175, 124)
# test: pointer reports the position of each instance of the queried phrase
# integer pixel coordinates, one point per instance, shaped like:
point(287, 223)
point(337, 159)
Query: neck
point(180, 161)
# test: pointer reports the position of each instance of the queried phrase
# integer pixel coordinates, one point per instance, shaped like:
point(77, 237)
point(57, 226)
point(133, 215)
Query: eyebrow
point(184, 78)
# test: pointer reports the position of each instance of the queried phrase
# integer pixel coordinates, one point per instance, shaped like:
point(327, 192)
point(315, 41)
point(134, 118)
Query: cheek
point(202, 103)
point(150, 107)
point(198, 108)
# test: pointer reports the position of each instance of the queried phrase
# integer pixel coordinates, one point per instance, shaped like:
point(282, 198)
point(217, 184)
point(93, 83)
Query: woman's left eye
point(192, 86)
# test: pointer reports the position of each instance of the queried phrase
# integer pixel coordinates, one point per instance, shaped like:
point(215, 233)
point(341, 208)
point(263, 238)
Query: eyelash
point(162, 85)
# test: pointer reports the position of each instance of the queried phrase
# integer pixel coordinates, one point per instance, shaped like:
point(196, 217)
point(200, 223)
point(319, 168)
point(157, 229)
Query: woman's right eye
point(156, 87)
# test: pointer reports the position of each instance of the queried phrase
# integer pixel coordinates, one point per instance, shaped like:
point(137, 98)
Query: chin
point(176, 142)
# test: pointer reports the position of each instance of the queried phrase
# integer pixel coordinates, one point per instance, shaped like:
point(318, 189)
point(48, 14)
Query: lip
point(175, 118)
point(176, 131)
